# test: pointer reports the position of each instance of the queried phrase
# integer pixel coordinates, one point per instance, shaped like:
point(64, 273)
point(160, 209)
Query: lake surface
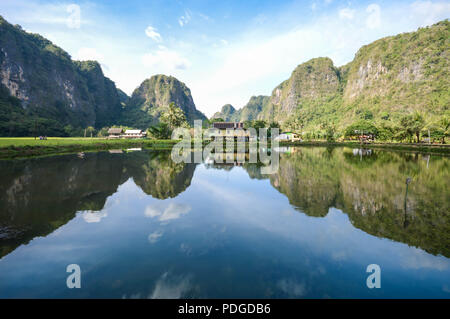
point(141, 226)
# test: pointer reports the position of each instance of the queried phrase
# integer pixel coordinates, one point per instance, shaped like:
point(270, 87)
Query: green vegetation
point(25, 146)
point(396, 88)
point(49, 90)
point(172, 118)
point(226, 114)
point(93, 179)
point(151, 99)
point(45, 92)
point(370, 188)
point(248, 113)
point(361, 127)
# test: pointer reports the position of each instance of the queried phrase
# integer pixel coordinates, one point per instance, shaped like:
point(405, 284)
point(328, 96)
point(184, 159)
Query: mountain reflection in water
point(40, 196)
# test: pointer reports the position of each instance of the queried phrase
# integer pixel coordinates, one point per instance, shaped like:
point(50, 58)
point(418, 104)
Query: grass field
point(66, 141)
point(11, 147)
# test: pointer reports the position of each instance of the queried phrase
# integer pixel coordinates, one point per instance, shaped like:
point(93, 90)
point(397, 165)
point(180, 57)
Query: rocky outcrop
point(152, 98)
point(227, 113)
point(50, 86)
point(251, 111)
point(394, 75)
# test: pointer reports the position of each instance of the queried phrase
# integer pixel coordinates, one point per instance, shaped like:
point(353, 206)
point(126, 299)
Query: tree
point(257, 124)
point(160, 131)
point(68, 129)
point(294, 124)
point(387, 130)
point(103, 132)
point(272, 125)
point(216, 119)
point(330, 130)
point(412, 124)
point(444, 124)
point(174, 117)
point(438, 130)
point(361, 127)
point(90, 130)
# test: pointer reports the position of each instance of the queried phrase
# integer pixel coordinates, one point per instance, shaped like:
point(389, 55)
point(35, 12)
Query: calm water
point(141, 226)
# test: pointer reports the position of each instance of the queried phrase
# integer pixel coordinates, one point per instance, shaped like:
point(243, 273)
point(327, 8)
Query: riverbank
point(30, 147)
point(410, 147)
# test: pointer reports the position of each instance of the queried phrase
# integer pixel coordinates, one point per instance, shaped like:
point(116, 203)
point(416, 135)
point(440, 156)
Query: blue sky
point(225, 51)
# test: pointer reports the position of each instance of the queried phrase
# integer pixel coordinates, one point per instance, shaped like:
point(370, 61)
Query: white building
point(134, 134)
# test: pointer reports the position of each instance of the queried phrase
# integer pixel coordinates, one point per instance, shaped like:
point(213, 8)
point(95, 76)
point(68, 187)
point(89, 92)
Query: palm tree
point(174, 117)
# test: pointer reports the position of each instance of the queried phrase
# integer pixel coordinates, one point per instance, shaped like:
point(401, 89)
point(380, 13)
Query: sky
point(224, 51)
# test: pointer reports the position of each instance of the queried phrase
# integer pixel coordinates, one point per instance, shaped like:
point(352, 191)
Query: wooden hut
point(115, 132)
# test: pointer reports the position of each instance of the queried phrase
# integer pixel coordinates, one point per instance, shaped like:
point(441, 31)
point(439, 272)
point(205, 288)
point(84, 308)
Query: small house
point(134, 134)
point(228, 125)
point(115, 132)
point(231, 130)
point(288, 136)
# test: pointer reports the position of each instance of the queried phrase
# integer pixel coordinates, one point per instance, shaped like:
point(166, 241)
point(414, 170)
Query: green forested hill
point(392, 83)
point(42, 89)
point(152, 98)
point(249, 112)
point(227, 113)
point(387, 80)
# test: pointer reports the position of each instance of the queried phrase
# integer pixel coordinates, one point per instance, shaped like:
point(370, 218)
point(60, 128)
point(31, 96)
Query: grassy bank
point(28, 146)
point(411, 147)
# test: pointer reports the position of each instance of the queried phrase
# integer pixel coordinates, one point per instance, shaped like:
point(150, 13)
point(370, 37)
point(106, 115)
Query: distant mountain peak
point(152, 97)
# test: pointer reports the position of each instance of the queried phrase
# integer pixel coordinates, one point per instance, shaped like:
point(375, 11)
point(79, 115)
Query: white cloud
point(172, 211)
point(374, 19)
point(205, 17)
point(151, 211)
point(257, 58)
point(256, 62)
point(153, 34)
point(85, 54)
point(184, 19)
point(419, 259)
point(165, 59)
point(67, 14)
point(292, 288)
point(154, 237)
point(93, 217)
point(170, 287)
point(347, 13)
point(429, 11)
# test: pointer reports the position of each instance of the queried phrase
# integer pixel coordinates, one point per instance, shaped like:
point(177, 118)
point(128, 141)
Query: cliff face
point(315, 79)
point(254, 107)
point(394, 75)
point(227, 113)
point(249, 112)
point(407, 71)
point(152, 98)
point(40, 82)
